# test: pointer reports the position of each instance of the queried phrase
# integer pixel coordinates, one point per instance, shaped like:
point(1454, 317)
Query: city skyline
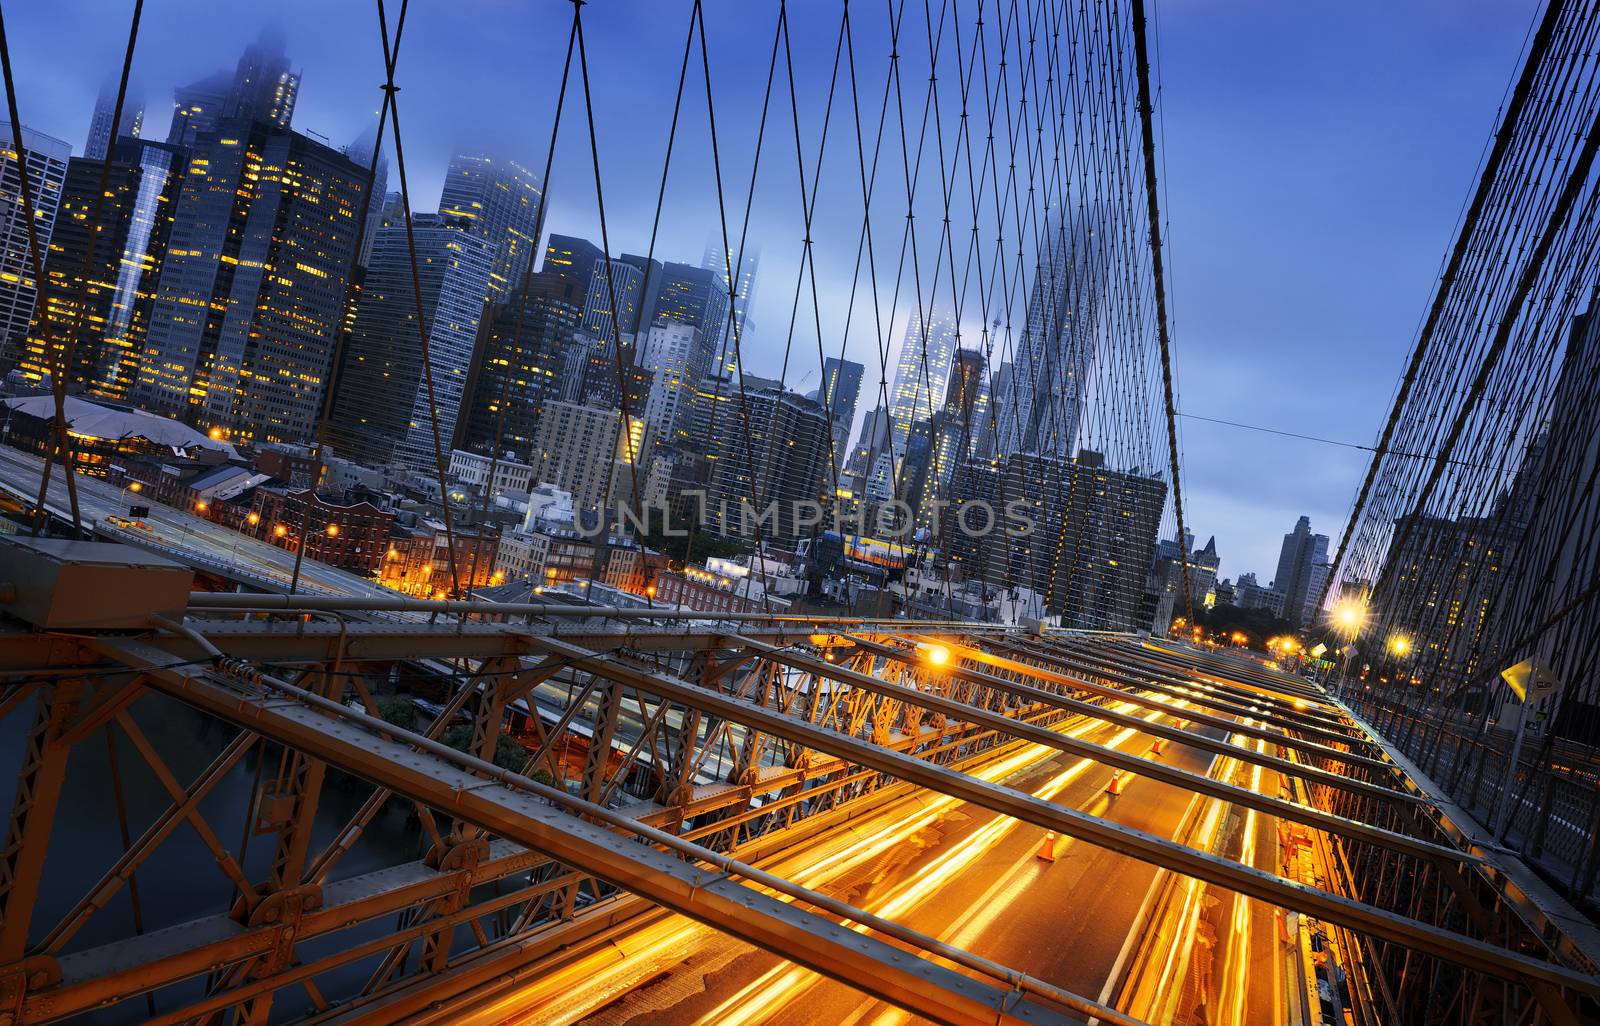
point(1351, 151)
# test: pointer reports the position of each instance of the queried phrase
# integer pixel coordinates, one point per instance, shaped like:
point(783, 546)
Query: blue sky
point(1316, 158)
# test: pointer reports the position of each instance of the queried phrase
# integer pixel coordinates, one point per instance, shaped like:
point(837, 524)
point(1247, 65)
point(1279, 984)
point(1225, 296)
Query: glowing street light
point(333, 530)
point(254, 519)
point(1350, 615)
point(1399, 644)
point(936, 655)
point(278, 530)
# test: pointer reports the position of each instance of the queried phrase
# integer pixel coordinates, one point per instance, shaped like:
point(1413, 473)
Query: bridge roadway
point(1090, 921)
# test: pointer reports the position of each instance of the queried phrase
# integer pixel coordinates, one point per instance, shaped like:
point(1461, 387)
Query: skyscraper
point(840, 392)
point(497, 200)
point(46, 165)
point(1092, 540)
point(360, 151)
point(783, 460)
point(520, 362)
point(381, 412)
point(196, 107)
point(253, 289)
point(261, 88)
point(693, 296)
point(264, 87)
point(672, 353)
point(588, 452)
point(624, 286)
point(1302, 569)
point(101, 132)
point(743, 290)
point(1044, 401)
point(921, 375)
point(130, 243)
point(567, 270)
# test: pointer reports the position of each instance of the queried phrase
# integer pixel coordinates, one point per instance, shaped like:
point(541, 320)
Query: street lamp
point(1399, 644)
point(936, 655)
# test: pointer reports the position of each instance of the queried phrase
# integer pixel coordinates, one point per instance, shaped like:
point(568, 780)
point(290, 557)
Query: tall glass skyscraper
point(381, 412)
point(47, 171)
point(101, 132)
point(130, 243)
point(1043, 406)
point(497, 200)
point(743, 289)
point(253, 289)
point(261, 88)
point(921, 374)
point(839, 394)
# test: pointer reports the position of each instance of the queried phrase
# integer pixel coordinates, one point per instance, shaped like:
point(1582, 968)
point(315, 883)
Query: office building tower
point(623, 287)
point(520, 365)
point(742, 289)
point(1045, 393)
point(264, 87)
point(567, 270)
point(763, 474)
point(1248, 593)
point(197, 107)
point(996, 412)
point(1176, 563)
point(253, 288)
point(839, 393)
point(672, 353)
point(361, 151)
point(1298, 575)
point(46, 169)
point(102, 133)
point(129, 242)
point(693, 296)
point(497, 200)
point(921, 375)
point(261, 87)
point(591, 452)
point(381, 413)
point(1091, 540)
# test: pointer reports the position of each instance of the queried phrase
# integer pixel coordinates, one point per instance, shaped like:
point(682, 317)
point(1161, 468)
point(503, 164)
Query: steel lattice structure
point(710, 746)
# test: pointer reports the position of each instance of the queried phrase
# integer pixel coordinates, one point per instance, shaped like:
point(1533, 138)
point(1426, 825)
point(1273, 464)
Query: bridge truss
point(704, 747)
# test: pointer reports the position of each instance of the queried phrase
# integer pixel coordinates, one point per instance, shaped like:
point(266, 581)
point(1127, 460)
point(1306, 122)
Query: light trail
point(1231, 1001)
point(597, 972)
point(777, 988)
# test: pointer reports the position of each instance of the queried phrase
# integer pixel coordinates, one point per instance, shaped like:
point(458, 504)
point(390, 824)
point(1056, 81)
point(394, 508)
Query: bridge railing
point(1554, 823)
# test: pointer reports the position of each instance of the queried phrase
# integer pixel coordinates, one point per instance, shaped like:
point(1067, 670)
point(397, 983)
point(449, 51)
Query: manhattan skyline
point(1269, 329)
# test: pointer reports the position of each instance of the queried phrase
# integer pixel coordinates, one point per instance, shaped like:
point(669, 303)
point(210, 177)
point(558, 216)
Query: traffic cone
point(1115, 787)
point(1047, 850)
point(1155, 747)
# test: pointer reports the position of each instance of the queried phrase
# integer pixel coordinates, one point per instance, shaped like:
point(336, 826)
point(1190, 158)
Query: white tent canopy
point(96, 421)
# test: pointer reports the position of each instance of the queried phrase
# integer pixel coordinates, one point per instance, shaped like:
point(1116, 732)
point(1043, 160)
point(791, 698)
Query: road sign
point(1531, 681)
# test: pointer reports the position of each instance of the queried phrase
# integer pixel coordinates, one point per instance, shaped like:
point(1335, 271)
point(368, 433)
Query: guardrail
point(1555, 814)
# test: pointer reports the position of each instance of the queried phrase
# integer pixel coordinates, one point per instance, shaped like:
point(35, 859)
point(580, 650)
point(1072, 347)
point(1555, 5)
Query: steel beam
point(708, 896)
point(1177, 734)
point(1159, 851)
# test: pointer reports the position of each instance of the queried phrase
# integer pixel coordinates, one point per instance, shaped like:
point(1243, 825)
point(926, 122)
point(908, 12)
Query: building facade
point(253, 288)
point(45, 168)
point(497, 200)
point(128, 247)
point(381, 412)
